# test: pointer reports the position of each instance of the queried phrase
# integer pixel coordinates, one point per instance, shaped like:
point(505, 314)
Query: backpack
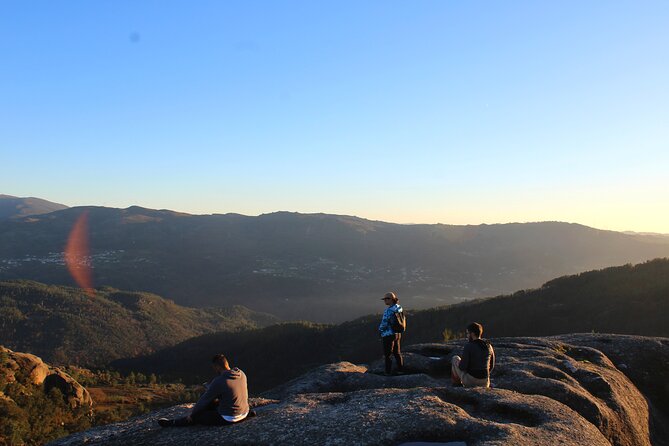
point(398, 322)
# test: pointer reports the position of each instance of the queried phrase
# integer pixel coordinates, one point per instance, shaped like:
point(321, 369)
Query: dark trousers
point(206, 417)
point(391, 346)
point(209, 417)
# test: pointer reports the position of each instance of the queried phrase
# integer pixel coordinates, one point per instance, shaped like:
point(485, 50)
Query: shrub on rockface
point(32, 417)
point(14, 426)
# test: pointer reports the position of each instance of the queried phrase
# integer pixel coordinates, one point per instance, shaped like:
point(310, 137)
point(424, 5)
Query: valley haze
point(319, 267)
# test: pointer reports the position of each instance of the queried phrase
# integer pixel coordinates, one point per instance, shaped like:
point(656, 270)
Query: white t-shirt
point(230, 419)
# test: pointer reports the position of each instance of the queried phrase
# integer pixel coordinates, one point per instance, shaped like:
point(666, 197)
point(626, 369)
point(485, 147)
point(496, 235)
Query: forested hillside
point(64, 325)
point(625, 300)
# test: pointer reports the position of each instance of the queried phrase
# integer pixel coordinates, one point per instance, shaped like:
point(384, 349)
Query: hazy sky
point(408, 111)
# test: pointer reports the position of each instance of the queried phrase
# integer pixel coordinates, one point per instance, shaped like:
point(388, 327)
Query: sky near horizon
point(410, 112)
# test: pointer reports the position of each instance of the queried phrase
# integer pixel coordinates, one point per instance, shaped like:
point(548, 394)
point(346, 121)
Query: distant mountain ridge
point(16, 207)
point(66, 326)
point(310, 266)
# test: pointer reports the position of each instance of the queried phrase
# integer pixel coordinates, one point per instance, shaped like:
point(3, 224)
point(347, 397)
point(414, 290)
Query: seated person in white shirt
point(226, 400)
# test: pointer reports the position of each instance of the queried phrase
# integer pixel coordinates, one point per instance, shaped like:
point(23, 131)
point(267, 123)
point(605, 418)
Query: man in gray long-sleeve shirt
point(478, 360)
point(226, 400)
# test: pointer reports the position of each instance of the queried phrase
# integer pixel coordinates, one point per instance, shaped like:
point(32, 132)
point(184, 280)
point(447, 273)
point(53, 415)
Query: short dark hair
point(221, 360)
point(475, 328)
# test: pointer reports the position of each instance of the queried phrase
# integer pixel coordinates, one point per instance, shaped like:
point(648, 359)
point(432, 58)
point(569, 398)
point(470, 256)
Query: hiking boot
point(164, 422)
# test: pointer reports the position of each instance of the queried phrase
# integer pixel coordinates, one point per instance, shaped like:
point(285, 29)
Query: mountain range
point(16, 207)
point(318, 267)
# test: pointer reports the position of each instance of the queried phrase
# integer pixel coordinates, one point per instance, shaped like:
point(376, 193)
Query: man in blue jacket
point(226, 400)
point(391, 339)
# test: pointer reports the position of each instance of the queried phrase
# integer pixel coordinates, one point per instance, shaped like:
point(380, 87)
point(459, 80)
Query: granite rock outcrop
point(32, 370)
point(554, 390)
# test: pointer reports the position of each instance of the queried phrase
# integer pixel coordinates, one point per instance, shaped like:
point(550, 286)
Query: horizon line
point(629, 231)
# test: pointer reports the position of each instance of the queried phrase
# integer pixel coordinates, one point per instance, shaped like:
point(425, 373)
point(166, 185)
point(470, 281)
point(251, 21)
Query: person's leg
point(397, 352)
point(177, 422)
point(456, 373)
point(209, 418)
point(213, 405)
point(469, 381)
point(387, 351)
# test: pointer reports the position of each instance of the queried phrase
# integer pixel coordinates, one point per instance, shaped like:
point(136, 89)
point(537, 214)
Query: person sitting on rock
point(225, 401)
point(391, 338)
point(478, 360)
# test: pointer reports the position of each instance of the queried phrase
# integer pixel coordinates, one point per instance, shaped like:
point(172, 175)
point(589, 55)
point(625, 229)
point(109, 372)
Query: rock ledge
point(556, 390)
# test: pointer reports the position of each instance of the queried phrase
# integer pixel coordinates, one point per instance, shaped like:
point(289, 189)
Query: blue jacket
point(385, 327)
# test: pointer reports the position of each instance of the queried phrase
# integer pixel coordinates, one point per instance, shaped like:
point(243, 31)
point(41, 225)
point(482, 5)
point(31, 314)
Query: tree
point(140, 378)
point(131, 379)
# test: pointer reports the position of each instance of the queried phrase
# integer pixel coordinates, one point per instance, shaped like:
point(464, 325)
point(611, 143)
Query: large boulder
point(30, 369)
point(27, 365)
point(546, 391)
point(645, 361)
point(371, 417)
point(346, 377)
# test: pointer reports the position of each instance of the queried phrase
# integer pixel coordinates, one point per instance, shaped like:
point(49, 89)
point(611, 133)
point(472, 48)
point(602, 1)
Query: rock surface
point(30, 368)
point(558, 390)
point(645, 361)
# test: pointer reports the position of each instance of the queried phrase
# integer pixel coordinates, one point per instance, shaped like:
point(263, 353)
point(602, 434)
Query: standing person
point(478, 360)
point(225, 401)
point(391, 338)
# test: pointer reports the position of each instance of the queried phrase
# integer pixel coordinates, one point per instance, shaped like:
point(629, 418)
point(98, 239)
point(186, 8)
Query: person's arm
point(464, 362)
point(207, 397)
point(492, 358)
point(384, 321)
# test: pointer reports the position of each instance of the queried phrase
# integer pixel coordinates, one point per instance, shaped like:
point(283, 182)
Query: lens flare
point(77, 255)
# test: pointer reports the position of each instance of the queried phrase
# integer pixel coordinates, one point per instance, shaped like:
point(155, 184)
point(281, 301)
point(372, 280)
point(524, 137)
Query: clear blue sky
point(407, 111)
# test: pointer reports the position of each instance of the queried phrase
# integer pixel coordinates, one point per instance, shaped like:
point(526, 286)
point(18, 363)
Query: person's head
point(390, 299)
point(220, 363)
point(474, 331)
